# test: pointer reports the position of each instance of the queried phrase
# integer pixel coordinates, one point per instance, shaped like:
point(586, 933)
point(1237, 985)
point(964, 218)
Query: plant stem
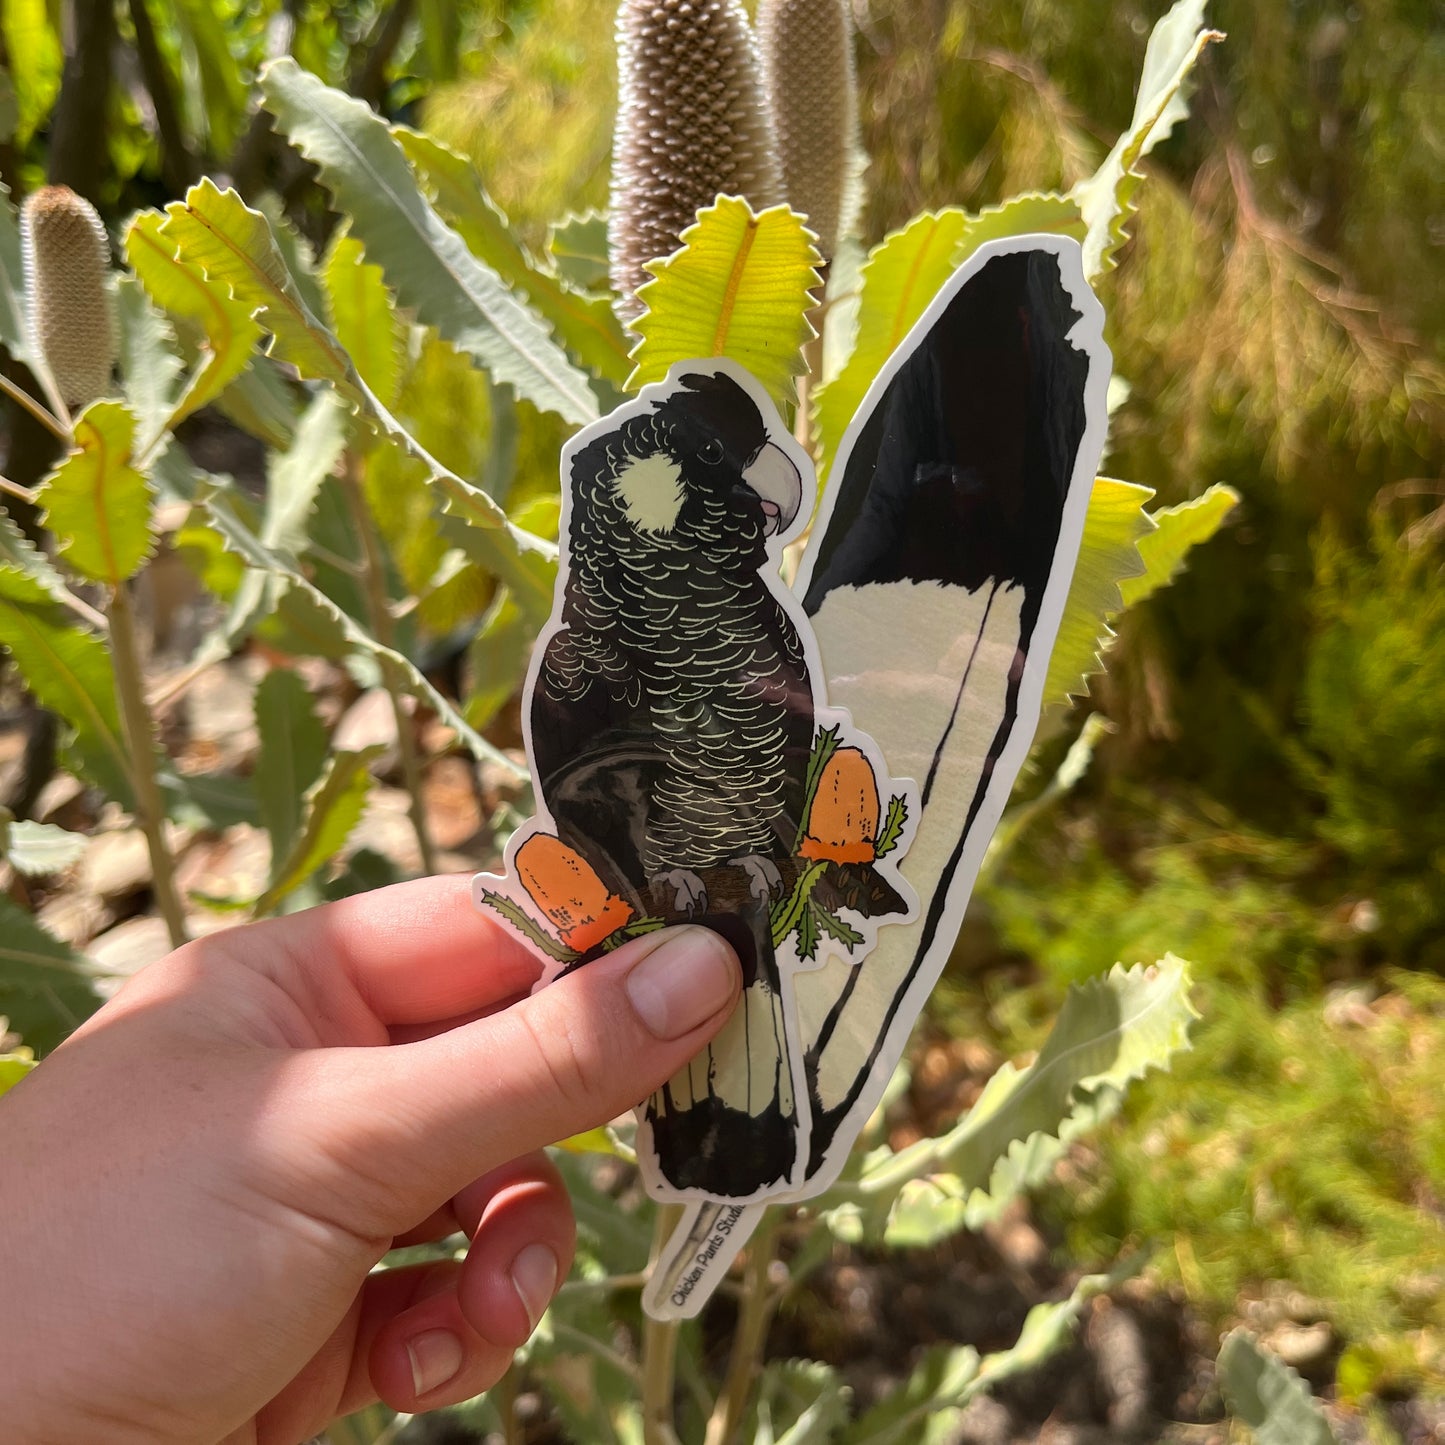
point(378, 606)
point(659, 1353)
point(22, 398)
point(140, 743)
point(754, 1313)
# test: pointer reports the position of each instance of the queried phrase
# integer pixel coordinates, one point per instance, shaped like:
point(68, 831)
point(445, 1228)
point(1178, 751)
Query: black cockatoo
point(671, 723)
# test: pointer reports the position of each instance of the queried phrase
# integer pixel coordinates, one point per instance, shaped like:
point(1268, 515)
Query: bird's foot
point(764, 881)
point(689, 893)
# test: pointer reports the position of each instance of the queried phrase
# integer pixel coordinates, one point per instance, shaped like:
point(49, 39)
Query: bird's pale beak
point(775, 479)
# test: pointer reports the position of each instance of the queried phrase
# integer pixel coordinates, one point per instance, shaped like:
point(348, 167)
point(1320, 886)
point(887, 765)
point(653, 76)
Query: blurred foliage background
point(1269, 799)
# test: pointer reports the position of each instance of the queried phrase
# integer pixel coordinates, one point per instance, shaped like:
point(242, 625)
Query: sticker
point(688, 766)
point(935, 579)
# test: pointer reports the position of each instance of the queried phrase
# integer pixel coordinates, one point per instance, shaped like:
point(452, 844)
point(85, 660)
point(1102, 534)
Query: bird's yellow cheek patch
point(650, 490)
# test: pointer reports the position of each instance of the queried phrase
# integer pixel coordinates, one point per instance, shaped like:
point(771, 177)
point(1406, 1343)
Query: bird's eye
point(711, 452)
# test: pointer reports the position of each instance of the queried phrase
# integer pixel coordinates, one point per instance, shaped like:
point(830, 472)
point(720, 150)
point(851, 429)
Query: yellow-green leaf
point(901, 277)
point(96, 502)
point(184, 291)
point(1176, 531)
point(1108, 554)
point(740, 286)
point(215, 232)
point(363, 316)
point(13, 1068)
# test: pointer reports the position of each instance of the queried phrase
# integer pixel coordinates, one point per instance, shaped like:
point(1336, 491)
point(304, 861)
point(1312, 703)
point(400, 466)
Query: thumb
point(568, 1058)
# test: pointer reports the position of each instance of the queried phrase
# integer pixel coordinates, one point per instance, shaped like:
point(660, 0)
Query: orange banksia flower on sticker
point(843, 823)
point(565, 886)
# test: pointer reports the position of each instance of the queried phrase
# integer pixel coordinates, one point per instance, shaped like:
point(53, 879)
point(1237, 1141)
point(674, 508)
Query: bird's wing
point(935, 580)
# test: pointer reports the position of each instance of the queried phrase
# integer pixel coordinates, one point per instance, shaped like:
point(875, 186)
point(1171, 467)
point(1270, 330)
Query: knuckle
point(572, 1066)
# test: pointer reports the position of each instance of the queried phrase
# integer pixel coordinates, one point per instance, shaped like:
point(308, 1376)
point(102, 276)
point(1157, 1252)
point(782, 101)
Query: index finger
point(417, 952)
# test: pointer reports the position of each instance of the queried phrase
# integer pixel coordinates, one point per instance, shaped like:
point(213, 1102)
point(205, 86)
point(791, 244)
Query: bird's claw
point(689, 892)
point(765, 882)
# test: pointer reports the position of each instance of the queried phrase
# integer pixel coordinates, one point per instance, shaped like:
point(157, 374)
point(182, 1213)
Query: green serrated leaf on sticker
point(292, 754)
point(1109, 552)
point(46, 985)
point(585, 325)
point(893, 824)
point(182, 290)
point(426, 263)
point(69, 671)
point(1175, 532)
point(1110, 1031)
point(1105, 199)
point(740, 285)
point(330, 809)
point(1263, 1393)
point(525, 924)
point(363, 316)
point(96, 502)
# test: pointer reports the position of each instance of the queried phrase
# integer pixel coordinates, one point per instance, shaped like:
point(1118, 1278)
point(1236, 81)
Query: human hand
point(195, 1186)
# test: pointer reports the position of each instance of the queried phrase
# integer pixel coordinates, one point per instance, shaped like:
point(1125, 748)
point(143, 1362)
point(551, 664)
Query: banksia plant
point(691, 125)
point(66, 262)
point(807, 58)
point(563, 884)
point(843, 821)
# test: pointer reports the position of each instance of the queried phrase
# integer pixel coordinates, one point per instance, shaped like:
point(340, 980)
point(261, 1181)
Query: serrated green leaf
point(96, 502)
point(13, 1068)
point(263, 402)
point(797, 1402)
point(363, 316)
point(330, 622)
point(903, 274)
point(14, 334)
point(426, 263)
point(150, 366)
point(292, 753)
point(740, 285)
point(1110, 1031)
point(578, 245)
point(19, 554)
point(228, 242)
point(584, 324)
point(294, 478)
point(330, 809)
point(45, 987)
point(215, 233)
point(38, 849)
point(69, 671)
point(183, 290)
point(1263, 1393)
point(1105, 199)
point(1109, 553)
point(1175, 532)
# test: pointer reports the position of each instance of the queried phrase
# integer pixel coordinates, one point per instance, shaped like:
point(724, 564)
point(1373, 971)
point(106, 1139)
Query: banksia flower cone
point(67, 260)
point(807, 57)
point(691, 125)
point(843, 822)
point(577, 903)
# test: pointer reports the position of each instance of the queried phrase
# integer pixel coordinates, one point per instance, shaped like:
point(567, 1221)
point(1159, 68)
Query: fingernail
point(436, 1357)
point(534, 1277)
point(682, 982)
